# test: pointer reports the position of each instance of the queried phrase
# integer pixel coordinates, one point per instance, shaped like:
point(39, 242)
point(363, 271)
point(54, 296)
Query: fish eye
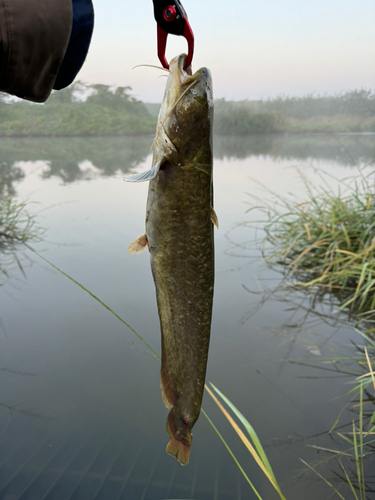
point(185, 421)
point(194, 91)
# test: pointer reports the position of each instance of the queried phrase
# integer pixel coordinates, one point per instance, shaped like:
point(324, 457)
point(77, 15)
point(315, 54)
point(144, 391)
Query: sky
point(255, 50)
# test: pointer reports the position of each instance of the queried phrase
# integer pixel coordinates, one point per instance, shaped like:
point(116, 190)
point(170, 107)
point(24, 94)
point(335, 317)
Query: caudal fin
point(178, 449)
point(180, 440)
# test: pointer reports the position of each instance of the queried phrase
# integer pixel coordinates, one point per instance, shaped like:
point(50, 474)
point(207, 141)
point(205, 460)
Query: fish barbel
point(179, 234)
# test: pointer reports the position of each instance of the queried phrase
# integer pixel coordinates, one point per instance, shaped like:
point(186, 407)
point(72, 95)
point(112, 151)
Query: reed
point(255, 448)
point(326, 241)
point(361, 444)
point(17, 227)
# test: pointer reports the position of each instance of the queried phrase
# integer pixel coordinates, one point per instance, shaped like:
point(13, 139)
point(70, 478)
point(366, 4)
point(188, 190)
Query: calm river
point(81, 415)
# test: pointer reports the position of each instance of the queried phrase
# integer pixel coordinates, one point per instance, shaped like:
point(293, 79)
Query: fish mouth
point(181, 76)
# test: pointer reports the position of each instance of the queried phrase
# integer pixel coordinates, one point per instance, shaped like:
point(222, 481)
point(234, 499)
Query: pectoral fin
point(144, 176)
point(214, 219)
point(138, 245)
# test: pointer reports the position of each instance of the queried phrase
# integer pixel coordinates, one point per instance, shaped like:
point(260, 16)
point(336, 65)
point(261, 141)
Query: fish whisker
point(150, 66)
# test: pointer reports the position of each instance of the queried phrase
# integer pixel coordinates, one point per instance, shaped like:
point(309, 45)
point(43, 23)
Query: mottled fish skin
point(179, 232)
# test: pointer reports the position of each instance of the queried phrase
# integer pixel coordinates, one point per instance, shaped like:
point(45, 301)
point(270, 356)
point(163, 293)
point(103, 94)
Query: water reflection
point(9, 174)
point(344, 149)
point(64, 156)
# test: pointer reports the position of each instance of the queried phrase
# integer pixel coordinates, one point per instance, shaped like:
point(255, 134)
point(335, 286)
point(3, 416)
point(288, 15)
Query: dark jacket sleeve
point(34, 37)
point(79, 43)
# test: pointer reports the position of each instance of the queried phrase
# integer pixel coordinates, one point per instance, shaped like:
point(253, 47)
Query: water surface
point(81, 415)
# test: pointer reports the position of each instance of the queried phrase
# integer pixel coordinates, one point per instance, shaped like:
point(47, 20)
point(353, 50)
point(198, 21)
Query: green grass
point(326, 240)
point(106, 111)
point(17, 228)
point(16, 225)
point(361, 443)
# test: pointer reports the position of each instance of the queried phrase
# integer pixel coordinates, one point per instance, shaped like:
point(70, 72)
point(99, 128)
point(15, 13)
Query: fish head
point(187, 110)
point(180, 79)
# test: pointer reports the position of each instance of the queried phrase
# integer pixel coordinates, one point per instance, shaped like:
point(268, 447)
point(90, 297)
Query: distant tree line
point(77, 110)
point(353, 102)
point(351, 111)
point(104, 110)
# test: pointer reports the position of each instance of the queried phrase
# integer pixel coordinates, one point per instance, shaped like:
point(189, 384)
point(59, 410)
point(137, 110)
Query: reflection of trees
point(344, 149)
point(108, 154)
point(111, 154)
point(9, 174)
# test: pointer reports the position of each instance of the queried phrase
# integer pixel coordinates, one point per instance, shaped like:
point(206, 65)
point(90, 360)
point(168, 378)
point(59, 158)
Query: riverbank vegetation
point(78, 110)
point(104, 110)
point(351, 111)
point(327, 240)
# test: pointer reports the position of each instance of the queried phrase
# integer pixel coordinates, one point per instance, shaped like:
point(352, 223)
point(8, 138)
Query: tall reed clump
point(328, 240)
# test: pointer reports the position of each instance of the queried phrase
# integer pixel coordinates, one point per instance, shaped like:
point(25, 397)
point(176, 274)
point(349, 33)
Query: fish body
point(179, 234)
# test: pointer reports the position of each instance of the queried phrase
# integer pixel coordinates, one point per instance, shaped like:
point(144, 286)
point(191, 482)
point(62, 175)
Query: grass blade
point(154, 353)
point(232, 454)
point(324, 479)
point(370, 367)
point(257, 458)
point(250, 430)
point(349, 482)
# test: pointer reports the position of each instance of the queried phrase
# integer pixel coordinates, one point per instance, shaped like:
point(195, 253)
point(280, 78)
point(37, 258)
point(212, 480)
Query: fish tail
point(178, 446)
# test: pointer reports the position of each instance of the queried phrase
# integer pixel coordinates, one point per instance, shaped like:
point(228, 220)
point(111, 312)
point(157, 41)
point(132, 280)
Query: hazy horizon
point(253, 50)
